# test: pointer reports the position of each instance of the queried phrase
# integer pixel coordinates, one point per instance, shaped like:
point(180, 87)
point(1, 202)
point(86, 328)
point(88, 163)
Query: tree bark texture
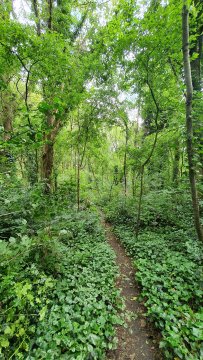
point(189, 123)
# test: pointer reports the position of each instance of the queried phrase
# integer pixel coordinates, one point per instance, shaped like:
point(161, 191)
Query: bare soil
point(139, 341)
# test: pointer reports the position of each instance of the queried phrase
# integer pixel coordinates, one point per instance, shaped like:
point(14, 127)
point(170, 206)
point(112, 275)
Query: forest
point(101, 179)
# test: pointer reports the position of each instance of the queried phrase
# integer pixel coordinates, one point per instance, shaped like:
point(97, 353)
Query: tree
point(189, 121)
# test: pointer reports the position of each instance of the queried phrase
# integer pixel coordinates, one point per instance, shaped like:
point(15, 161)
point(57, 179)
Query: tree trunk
point(133, 184)
point(7, 114)
point(36, 11)
point(189, 123)
point(139, 202)
point(32, 166)
point(176, 162)
point(137, 227)
point(49, 21)
point(78, 183)
point(47, 165)
point(125, 159)
point(7, 124)
point(8, 109)
point(197, 49)
point(48, 151)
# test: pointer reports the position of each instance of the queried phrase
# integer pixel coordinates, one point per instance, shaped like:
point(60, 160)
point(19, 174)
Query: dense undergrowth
point(168, 259)
point(57, 297)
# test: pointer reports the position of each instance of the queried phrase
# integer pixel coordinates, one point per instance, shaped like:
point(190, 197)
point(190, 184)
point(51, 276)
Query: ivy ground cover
point(57, 292)
point(170, 273)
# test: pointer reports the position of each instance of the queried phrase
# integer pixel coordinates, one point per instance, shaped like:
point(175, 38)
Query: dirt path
point(139, 340)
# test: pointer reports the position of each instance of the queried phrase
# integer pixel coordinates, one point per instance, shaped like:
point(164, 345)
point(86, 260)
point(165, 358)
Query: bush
point(159, 209)
point(166, 208)
point(121, 211)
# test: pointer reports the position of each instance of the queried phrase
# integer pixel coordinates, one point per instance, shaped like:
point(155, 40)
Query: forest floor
point(138, 340)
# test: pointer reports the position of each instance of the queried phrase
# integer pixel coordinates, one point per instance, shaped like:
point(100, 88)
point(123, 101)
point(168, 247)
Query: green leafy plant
point(171, 279)
point(57, 291)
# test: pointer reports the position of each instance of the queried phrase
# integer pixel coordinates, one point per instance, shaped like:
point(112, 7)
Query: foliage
point(92, 111)
point(56, 293)
point(168, 263)
point(120, 211)
point(168, 207)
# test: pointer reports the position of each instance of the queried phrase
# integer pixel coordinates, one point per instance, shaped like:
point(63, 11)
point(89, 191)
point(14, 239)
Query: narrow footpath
point(139, 340)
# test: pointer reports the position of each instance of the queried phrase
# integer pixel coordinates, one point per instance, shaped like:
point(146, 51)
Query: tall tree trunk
point(196, 47)
point(133, 183)
point(125, 159)
point(142, 169)
point(32, 166)
point(139, 201)
point(189, 123)
point(78, 183)
point(8, 110)
point(197, 50)
point(53, 126)
point(94, 176)
point(7, 115)
point(176, 162)
point(47, 165)
point(182, 164)
point(49, 21)
point(36, 12)
point(7, 122)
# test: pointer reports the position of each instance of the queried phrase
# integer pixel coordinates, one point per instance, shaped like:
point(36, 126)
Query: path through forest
point(139, 340)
